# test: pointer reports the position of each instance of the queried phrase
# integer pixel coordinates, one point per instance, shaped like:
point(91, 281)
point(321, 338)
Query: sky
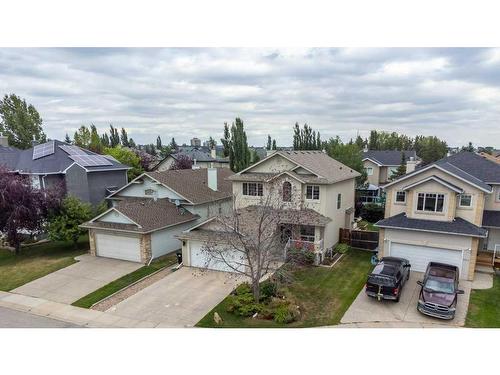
point(187, 92)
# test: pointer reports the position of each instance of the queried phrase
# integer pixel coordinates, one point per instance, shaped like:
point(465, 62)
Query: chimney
point(212, 178)
point(213, 153)
point(411, 164)
point(4, 140)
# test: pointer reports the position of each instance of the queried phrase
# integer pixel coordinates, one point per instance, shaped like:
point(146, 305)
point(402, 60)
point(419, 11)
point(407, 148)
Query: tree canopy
point(306, 138)
point(20, 122)
point(64, 224)
point(348, 154)
point(127, 157)
point(239, 153)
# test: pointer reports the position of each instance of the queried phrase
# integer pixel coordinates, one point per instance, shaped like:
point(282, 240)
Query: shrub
point(243, 305)
point(268, 289)
point(342, 248)
point(372, 212)
point(300, 256)
point(243, 289)
point(284, 314)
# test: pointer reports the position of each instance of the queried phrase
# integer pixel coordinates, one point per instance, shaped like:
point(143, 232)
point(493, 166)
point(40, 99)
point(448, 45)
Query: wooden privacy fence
point(362, 239)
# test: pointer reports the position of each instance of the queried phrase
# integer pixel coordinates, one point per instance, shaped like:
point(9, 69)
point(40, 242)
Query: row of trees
point(306, 138)
point(236, 146)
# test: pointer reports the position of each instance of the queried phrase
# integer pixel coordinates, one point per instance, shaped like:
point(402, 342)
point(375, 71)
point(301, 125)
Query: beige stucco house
point(448, 211)
point(313, 193)
point(149, 212)
point(379, 167)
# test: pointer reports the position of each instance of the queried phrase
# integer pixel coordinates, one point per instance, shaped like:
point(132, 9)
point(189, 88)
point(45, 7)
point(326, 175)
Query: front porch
point(304, 237)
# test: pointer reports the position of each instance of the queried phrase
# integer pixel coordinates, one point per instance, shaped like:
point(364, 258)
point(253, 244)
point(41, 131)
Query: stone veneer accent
point(381, 235)
point(473, 256)
point(145, 245)
point(92, 250)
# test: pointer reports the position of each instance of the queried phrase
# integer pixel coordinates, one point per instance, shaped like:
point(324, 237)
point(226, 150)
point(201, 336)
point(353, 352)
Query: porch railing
point(313, 246)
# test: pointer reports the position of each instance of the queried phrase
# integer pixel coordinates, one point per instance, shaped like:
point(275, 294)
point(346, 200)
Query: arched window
point(287, 191)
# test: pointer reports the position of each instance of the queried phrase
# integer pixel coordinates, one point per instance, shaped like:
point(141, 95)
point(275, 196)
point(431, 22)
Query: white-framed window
point(400, 196)
point(430, 202)
point(339, 201)
point(307, 233)
point(312, 192)
point(369, 171)
point(253, 189)
point(465, 200)
point(35, 181)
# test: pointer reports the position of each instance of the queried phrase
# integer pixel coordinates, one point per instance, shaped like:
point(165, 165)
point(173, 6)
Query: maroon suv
point(438, 295)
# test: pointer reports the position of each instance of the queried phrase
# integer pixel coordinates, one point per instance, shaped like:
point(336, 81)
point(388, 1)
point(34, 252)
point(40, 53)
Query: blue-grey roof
point(458, 226)
point(388, 157)
point(57, 162)
point(201, 153)
point(474, 165)
point(491, 219)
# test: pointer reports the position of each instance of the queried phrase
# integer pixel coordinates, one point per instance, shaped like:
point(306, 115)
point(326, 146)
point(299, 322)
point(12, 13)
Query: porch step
point(485, 269)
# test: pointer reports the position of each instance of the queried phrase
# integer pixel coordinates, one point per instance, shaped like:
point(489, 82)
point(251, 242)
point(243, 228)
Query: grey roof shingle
point(55, 163)
point(192, 184)
point(151, 215)
point(458, 226)
point(491, 219)
point(474, 165)
point(388, 157)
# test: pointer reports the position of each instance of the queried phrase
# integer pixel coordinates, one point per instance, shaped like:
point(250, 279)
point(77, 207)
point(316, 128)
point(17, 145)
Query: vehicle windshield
point(439, 286)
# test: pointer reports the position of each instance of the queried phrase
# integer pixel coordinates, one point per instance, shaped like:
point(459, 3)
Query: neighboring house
point(199, 155)
point(379, 167)
point(495, 156)
point(447, 211)
point(152, 209)
point(86, 175)
point(314, 192)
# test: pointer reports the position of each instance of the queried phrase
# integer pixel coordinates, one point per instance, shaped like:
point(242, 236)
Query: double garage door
point(420, 256)
point(118, 246)
point(202, 259)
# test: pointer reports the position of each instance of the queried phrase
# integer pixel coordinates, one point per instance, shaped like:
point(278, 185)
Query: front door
point(286, 233)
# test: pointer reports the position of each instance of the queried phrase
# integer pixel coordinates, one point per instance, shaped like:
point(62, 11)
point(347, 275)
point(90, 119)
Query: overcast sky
point(181, 93)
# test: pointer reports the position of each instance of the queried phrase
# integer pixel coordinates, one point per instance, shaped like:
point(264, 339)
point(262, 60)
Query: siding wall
point(99, 181)
point(77, 184)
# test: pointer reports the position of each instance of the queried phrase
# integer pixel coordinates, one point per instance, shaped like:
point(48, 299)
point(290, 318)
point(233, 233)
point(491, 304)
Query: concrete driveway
point(368, 312)
point(69, 284)
point(180, 299)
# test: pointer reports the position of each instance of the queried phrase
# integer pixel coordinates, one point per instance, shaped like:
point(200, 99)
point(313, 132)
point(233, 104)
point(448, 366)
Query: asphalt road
point(17, 319)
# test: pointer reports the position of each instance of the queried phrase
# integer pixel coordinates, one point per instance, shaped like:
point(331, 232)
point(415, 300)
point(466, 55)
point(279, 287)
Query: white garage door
point(118, 246)
point(420, 256)
point(202, 259)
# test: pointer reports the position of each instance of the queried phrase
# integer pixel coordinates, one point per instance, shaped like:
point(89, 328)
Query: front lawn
point(118, 284)
point(366, 225)
point(36, 261)
point(324, 295)
point(484, 307)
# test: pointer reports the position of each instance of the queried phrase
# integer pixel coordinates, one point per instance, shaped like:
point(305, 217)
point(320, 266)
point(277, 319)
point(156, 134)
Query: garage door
point(420, 256)
point(201, 259)
point(118, 246)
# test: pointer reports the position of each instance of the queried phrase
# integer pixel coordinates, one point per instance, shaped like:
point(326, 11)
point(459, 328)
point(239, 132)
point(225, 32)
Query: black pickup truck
point(439, 292)
point(388, 278)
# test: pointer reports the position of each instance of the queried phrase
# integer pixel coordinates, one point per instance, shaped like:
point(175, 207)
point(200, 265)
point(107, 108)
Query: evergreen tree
point(173, 145)
point(274, 144)
point(306, 138)
point(360, 142)
point(211, 143)
point(239, 153)
point(124, 138)
point(158, 143)
point(131, 143)
point(269, 142)
point(95, 141)
point(105, 140)
point(401, 171)
point(67, 139)
point(82, 137)
point(114, 138)
point(226, 140)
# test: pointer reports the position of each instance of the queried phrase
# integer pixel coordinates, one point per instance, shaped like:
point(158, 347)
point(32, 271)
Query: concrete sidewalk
point(67, 313)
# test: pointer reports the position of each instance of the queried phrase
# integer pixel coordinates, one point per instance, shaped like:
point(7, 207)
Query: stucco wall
point(493, 238)
point(274, 164)
point(374, 178)
point(492, 201)
point(138, 190)
point(115, 217)
point(164, 241)
point(207, 210)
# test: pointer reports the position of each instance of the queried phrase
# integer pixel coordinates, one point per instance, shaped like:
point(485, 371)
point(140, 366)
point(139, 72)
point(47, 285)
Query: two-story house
point(202, 157)
point(313, 193)
point(83, 173)
point(447, 211)
point(379, 167)
point(148, 212)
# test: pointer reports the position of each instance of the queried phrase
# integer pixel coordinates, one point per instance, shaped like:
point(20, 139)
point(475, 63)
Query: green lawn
point(323, 293)
point(37, 261)
point(114, 286)
point(366, 225)
point(484, 307)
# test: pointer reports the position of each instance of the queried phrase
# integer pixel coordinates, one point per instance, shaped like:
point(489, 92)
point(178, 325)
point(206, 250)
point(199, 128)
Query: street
point(17, 319)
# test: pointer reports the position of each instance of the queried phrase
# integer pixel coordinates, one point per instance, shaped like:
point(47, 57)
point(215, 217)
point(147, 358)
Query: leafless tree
point(249, 241)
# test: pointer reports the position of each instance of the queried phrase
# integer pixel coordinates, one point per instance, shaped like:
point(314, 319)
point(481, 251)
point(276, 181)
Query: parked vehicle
point(388, 278)
point(439, 292)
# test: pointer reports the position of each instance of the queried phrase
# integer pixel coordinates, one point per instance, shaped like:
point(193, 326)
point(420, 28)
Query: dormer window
point(287, 191)
point(465, 200)
point(430, 202)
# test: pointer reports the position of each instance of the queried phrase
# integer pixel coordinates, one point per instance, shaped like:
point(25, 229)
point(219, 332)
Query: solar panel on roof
point(39, 151)
point(91, 160)
point(72, 150)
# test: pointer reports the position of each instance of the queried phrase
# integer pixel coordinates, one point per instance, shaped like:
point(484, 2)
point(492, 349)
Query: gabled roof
point(458, 226)
point(466, 166)
point(438, 180)
point(201, 154)
point(192, 184)
point(148, 214)
point(390, 158)
point(317, 163)
point(56, 162)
